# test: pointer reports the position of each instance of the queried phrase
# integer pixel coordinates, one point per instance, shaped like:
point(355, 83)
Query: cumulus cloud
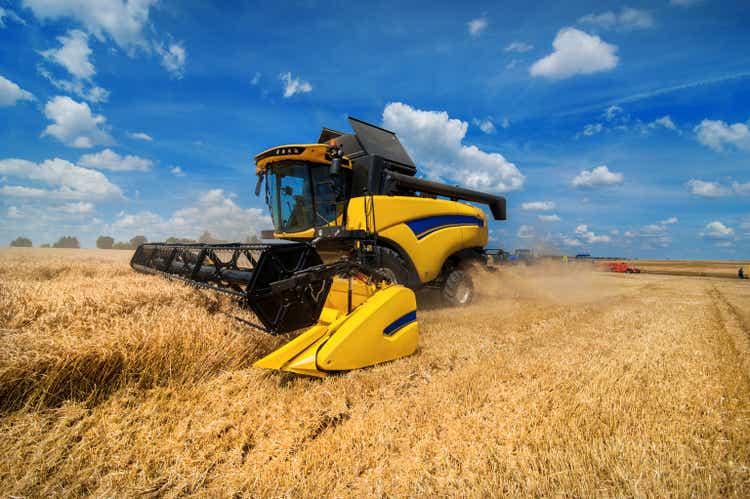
point(575, 52)
point(173, 58)
point(80, 208)
point(487, 126)
point(518, 47)
point(707, 189)
point(549, 218)
point(597, 177)
point(214, 211)
point(538, 206)
point(435, 141)
point(85, 89)
point(476, 26)
point(717, 230)
point(74, 124)
point(717, 134)
point(717, 190)
point(121, 20)
point(177, 171)
point(73, 54)
point(10, 93)
point(66, 180)
point(140, 136)
point(589, 236)
point(107, 159)
point(294, 85)
point(627, 19)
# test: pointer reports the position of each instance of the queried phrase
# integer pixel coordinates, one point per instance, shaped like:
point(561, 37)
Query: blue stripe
point(402, 321)
point(423, 227)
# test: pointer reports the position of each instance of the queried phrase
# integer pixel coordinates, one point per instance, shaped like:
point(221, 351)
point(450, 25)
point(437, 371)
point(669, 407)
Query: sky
point(617, 129)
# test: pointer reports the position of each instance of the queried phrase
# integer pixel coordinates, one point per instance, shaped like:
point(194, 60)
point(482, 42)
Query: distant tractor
point(618, 267)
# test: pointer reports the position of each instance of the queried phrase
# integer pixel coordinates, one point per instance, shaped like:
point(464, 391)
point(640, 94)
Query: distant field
point(558, 381)
point(703, 268)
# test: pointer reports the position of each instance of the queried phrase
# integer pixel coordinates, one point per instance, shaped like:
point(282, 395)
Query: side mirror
point(335, 166)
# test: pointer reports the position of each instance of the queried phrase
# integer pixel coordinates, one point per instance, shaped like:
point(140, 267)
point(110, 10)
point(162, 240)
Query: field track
point(555, 382)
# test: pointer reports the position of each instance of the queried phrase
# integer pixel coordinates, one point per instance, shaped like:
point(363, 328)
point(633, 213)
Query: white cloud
point(716, 134)
point(684, 3)
point(177, 171)
point(73, 54)
point(526, 232)
point(666, 122)
point(505, 123)
point(72, 182)
point(717, 230)
point(121, 20)
point(107, 159)
point(255, 79)
point(572, 242)
point(86, 90)
point(518, 47)
point(589, 236)
point(669, 221)
point(215, 211)
point(576, 52)
point(173, 58)
point(9, 14)
point(294, 85)
point(592, 129)
point(487, 126)
point(80, 208)
point(74, 124)
point(549, 218)
point(716, 190)
point(612, 112)
point(627, 19)
point(435, 141)
point(476, 26)
point(597, 177)
point(140, 136)
point(10, 93)
point(707, 189)
point(538, 206)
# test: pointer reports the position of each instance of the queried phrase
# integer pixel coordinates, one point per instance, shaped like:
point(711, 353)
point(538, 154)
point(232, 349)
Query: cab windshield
point(302, 195)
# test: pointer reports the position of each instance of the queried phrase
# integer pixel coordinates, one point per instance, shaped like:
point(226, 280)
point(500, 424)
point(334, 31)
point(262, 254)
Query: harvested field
point(555, 382)
point(706, 268)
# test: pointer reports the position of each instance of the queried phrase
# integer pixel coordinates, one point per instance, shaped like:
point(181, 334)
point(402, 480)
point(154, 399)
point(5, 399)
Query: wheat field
point(556, 381)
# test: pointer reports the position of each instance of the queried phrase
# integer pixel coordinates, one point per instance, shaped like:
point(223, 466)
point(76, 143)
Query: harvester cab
point(356, 233)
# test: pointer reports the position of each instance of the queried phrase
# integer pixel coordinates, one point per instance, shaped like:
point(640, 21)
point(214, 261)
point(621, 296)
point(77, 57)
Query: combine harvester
point(356, 232)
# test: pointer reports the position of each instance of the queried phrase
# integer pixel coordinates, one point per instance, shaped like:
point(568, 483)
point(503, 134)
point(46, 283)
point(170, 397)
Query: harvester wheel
point(393, 266)
point(458, 289)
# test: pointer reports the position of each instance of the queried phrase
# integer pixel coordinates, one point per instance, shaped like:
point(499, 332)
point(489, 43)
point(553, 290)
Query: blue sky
point(612, 128)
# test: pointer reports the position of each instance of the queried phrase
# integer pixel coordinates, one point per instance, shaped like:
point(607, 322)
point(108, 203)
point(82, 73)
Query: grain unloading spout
point(358, 318)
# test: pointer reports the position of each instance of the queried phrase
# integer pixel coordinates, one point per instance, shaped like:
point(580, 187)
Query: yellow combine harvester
point(355, 233)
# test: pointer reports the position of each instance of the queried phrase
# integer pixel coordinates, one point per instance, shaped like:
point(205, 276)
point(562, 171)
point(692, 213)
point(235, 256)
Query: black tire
point(458, 289)
point(392, 265)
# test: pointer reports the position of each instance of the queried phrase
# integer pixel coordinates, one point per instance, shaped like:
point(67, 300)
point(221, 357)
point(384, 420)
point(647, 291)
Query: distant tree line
point(63, 242)
point(107, 242)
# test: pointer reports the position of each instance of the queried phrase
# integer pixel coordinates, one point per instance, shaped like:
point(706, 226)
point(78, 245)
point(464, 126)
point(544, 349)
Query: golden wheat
point(557, 381)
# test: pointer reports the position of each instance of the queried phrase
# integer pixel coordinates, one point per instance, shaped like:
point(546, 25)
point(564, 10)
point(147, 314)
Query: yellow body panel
point(428, 252)
point(342, 340)
point(307, 152)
